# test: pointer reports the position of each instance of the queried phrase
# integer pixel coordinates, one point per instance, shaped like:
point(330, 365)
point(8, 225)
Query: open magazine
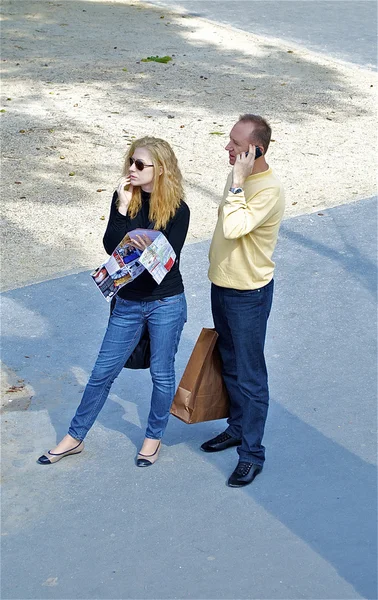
point(127, 262)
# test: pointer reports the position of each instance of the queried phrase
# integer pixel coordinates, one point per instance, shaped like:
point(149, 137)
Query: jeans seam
point(160, 300)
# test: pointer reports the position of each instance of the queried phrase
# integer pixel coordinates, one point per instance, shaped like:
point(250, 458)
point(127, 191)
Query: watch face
point(236, 190)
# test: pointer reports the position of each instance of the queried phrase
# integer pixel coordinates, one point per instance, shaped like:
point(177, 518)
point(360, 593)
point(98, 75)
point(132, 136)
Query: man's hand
point(243, 167)
point(125, 193)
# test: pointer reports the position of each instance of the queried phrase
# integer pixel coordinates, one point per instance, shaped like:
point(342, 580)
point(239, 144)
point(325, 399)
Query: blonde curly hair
point(167, 191)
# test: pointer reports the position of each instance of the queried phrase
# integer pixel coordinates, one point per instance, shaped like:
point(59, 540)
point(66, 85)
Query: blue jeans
point(165, 320)
point(240, 319)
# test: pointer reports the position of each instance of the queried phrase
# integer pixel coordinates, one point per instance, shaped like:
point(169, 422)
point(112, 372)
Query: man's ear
point(161, 171)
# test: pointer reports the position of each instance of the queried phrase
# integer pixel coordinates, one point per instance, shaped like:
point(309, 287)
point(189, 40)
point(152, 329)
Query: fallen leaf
point(182, 126)
point(321, 214)
point(159, 59)
point(14, 388)
point(18, 182)
point(100, 190)
point(124, 69)
point(294, 203)
point(3, 110)
point(22, 131)
point(62, 157)
point(11, 98)
point(102, 218)
point(290, 51)
point(216, 133)
point(75, 105)
point(71, 174)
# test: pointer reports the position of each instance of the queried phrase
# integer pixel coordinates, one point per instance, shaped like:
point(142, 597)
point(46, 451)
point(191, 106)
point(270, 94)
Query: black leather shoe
point(244, 474)
point(221, 442)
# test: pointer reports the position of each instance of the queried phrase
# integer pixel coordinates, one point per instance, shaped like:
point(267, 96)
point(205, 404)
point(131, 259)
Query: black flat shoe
point(244, 474)
point(146, 460)
point(49, 458)
point(220, 442)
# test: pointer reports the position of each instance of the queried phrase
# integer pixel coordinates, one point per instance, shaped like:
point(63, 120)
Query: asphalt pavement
point(97, 527)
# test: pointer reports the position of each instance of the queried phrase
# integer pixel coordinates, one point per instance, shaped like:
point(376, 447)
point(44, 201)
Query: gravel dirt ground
point(75, 92)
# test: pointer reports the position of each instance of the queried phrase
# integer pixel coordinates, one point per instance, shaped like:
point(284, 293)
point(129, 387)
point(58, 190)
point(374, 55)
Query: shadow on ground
point(305, 528)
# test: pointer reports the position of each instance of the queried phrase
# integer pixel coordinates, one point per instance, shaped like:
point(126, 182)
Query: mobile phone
point(258, 152)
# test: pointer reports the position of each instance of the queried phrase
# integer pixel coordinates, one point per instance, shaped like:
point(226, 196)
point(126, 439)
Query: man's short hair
point(262, 131)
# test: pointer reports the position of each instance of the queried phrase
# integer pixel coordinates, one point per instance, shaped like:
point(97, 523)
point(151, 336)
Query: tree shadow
point(340, 248)
point(108, 105)
point(187, 79)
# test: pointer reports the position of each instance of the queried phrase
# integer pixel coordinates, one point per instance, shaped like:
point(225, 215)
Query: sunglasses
point(138, 163)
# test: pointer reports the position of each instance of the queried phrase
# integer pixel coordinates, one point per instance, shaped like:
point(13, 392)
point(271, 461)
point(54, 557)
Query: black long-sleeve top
point(144, 287)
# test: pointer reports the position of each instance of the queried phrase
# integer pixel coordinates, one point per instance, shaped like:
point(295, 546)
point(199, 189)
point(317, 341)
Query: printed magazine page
point(127, 262)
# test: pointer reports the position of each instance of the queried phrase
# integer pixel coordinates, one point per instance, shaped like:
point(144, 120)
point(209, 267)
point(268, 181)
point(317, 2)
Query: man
point(241, 272)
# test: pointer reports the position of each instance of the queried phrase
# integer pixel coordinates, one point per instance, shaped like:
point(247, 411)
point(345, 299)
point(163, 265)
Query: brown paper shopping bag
point(201, 394)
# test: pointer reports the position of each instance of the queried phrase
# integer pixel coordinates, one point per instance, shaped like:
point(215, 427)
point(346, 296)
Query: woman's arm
point(118, 226)
point(178, 228)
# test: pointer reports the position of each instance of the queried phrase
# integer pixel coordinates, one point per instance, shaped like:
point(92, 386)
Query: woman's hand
point(142, 242)
point(125, 193)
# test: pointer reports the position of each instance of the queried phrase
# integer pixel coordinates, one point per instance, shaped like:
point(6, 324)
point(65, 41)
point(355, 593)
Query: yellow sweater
point(246, 233)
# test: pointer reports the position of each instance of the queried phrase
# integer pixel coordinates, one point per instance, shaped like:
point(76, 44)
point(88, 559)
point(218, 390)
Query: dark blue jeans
point(165, 320)
point(240, 319)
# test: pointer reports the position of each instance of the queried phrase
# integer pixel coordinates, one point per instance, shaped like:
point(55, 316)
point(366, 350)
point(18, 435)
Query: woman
point(149, 196)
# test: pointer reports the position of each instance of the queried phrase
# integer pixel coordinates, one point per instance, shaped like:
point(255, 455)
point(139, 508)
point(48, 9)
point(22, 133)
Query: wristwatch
point(236, 190)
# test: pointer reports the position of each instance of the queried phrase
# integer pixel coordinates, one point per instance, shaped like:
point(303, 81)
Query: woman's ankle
point(67, 443)
point(149, 445)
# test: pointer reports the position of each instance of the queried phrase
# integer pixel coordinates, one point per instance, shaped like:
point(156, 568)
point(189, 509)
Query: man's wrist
point(236, 190)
